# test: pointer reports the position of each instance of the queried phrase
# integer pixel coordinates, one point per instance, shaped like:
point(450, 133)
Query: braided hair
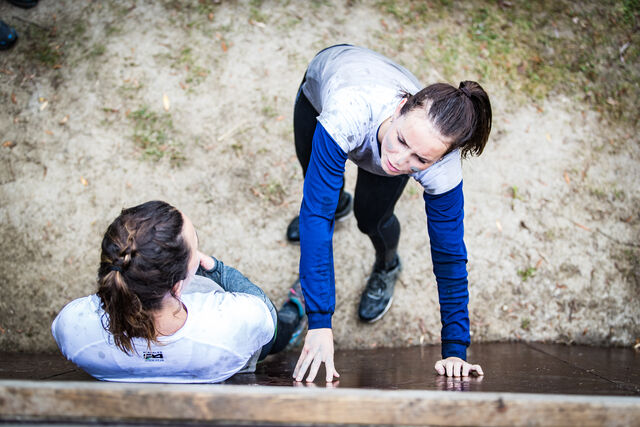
point(143, 256)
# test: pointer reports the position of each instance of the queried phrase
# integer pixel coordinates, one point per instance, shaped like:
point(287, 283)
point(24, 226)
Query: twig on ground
point(35, 24)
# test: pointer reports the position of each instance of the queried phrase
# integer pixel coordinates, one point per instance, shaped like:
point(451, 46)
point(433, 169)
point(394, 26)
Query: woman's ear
point(396, 114)
point(177, 289)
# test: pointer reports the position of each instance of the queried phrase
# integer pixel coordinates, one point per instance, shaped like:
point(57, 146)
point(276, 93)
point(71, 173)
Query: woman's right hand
point(317, 349)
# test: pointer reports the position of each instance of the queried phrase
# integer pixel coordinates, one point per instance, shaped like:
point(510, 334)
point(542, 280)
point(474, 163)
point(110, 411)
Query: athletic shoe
point(296, 298)
point(344, 208)
point(25, 4)
point(378, 294)
point(8, 36)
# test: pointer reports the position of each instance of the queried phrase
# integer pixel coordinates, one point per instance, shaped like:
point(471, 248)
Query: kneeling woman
point(165, 312)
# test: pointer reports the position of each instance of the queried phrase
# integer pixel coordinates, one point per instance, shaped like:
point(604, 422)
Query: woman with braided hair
point(356, 104)
point(165, 312)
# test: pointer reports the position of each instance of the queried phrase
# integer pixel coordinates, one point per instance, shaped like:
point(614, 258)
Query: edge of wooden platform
point(37, 400)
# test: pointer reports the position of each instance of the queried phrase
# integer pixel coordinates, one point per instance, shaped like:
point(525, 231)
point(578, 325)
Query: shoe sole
point(379, 316)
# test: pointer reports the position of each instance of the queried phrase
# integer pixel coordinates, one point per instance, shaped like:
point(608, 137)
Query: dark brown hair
point(143, 256)
point(463, 114)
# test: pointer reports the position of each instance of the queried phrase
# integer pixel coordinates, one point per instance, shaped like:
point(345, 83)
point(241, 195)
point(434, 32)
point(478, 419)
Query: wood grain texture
point(148, 402)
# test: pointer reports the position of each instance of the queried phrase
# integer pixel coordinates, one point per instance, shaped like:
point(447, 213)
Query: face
point(411, 143)
point(191, 238)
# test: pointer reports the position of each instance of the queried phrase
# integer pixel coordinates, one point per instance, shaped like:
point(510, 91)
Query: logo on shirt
point(153, 356)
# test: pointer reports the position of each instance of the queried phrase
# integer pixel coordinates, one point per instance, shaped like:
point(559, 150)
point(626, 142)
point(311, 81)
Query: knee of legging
point(371, 225)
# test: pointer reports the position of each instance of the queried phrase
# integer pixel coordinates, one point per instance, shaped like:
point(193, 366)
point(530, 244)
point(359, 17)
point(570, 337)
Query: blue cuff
point(319, 320)
point(454, 349)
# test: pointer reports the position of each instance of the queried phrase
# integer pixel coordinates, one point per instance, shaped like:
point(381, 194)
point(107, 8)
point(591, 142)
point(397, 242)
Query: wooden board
point(93, 401)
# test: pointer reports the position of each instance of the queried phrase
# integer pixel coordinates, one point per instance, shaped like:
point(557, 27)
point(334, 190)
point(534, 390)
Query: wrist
point(319, 320)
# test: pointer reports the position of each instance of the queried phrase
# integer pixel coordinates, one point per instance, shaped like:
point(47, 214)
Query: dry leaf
point(13, 98)
point(64, 120)
point(57, 66)
point(257, 23)
point(44, 105)
point(183, 86)
point(539, 263)
point(584, 227)
point(48, 132)
point(210, 16)
point(279, 118)
point(9, 144)
point(566, 177)
point(84, 181)
point(224, 46)
point(165, 102)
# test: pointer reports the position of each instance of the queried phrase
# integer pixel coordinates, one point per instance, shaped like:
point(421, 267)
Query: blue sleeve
point(322, 185)
point(445, 214)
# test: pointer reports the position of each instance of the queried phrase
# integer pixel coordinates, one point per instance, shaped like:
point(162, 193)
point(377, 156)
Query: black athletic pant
point(375, 196)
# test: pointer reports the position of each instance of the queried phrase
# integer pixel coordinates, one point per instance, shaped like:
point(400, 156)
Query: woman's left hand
point(456, 367)
point(206, 261)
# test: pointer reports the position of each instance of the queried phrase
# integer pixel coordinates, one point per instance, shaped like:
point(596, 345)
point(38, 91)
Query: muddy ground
point(109, 104)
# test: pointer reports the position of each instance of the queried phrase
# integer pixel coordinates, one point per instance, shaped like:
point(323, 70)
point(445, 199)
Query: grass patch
point(43, 46)
point(185, 61)
point(527, 273)
point(154, 135)
point(586, 50)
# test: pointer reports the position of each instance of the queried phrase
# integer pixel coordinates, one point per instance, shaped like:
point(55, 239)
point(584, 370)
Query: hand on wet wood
point(317, 349)
point(456, 367)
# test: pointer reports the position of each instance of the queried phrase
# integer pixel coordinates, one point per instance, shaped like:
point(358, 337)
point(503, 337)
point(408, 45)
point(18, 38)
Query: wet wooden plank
point(39, 366)
point(508, 367)
point(148, 402)
point(620, 366)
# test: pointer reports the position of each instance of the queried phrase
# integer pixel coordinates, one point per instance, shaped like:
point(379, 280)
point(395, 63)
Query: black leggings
point(375, 196)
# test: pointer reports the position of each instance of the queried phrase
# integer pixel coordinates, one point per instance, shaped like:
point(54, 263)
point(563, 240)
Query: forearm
point(321, 191)
point(445, 214)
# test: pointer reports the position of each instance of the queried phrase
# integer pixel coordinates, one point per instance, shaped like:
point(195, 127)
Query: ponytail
point(123, 315)
point(143, 256)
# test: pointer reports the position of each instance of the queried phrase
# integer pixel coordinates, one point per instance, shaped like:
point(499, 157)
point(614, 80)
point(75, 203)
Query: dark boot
point(344, 208)
point(8, 36)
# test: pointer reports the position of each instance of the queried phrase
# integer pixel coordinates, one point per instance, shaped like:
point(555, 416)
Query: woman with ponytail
point(165, 312)
point(356, 104)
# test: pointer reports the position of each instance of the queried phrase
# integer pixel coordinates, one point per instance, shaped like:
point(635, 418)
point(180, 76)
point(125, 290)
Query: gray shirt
point(355, 89)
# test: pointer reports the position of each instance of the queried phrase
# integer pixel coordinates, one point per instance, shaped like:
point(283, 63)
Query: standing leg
point(304, 126)
point(375, 200)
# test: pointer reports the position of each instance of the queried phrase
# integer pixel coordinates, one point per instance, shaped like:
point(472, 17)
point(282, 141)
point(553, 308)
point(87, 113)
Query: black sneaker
point(378, 294)
point(296, 297)
point(291, 321)
point(25, 4)
point(345, 205)
point(8, 36)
